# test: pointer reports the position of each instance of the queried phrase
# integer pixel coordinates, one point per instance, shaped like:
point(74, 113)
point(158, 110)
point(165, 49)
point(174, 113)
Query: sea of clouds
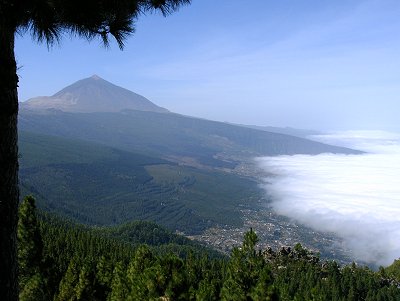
point(355, 196)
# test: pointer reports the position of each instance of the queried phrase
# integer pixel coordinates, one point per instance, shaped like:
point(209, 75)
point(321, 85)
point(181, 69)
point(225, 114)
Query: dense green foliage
point(79, 263)
point(393, 270)
point(96, 184)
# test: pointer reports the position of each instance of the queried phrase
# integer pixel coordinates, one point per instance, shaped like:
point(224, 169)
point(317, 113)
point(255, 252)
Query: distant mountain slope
point(172, 136)
point(283, 130)
point(92, 94)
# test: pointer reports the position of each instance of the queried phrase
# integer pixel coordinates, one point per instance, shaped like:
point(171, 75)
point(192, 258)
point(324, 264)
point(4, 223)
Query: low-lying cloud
point(355, 196)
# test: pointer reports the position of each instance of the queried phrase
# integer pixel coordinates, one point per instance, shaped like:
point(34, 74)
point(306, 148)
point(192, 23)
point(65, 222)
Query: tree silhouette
point(47, 21)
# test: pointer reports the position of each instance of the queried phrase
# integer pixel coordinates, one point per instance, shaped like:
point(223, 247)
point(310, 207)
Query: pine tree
point(233, 287)
point(67, 288)
point(84, 287)
point(248, 277)
point(264, 289)
point(104, 271)
point(207, 290)
point(137, 273)
point(30, 245)
point(30, 248)
point(173, 270)
point(47, 20)
point(33, 289)
point(119, 291)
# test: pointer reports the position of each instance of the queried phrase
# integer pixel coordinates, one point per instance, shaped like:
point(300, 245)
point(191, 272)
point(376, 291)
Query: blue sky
point(330, 65)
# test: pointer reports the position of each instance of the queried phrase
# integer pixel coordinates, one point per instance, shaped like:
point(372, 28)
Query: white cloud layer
point(355, 196)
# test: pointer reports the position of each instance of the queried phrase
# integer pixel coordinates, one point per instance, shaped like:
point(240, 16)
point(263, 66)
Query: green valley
point(96, 184)
point(86, 154)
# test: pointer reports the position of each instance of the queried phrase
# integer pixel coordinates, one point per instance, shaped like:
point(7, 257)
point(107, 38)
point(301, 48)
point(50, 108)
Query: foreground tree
point(47, 21)
point(248, 276)
point(30, 248)
point(30, 244)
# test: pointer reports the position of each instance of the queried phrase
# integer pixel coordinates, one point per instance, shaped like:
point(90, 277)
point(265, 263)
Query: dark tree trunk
point(9, 192)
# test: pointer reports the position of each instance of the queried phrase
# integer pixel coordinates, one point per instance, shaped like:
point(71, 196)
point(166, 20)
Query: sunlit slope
point(172, 136)
point(98, 184)
point(92, 94)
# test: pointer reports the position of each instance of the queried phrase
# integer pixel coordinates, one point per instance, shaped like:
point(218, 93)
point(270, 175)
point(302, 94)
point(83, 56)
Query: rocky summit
point(92, 94)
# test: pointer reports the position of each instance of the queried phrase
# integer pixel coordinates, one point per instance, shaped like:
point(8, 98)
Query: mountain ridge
point(92, 94)
point(95, 110)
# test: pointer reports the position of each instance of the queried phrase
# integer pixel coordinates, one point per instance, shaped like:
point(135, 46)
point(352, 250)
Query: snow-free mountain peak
point(93, 94)
point(95, 77)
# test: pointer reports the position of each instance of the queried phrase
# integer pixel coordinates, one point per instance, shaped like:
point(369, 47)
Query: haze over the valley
point(354, 196)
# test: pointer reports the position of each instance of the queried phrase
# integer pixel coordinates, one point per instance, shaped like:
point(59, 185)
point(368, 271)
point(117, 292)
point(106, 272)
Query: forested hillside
point(62, 261)
point(97, 184)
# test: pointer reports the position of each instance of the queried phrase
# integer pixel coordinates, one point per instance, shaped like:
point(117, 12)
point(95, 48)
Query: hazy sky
point(309, 64)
